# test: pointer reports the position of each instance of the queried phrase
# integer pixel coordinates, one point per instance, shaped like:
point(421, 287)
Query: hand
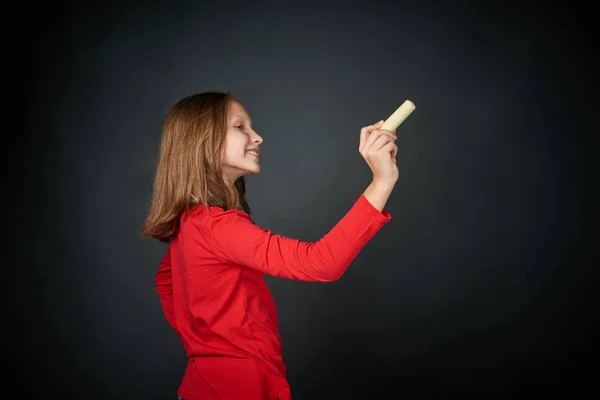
point(378, 148)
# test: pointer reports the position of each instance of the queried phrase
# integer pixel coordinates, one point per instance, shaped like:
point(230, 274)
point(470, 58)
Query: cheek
point(234, 150)
point(237, 146)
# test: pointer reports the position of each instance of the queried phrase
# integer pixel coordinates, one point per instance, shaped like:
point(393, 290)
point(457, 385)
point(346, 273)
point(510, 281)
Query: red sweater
point(213, 293)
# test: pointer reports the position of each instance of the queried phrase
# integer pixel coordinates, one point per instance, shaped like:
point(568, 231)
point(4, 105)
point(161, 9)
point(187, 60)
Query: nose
point(256, 138)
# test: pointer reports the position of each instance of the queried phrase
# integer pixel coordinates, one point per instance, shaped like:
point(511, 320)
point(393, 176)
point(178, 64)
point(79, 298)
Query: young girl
point(211, 279)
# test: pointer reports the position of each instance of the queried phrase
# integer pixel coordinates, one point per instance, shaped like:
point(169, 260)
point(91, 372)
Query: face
point(240, 156)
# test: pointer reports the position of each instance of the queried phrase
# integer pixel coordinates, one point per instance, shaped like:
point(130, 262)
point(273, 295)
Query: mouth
point(253, 152)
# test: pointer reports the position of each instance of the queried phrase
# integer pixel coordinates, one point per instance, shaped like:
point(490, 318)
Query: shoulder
point(211, 217)
point(218, 219)
point(217, 213)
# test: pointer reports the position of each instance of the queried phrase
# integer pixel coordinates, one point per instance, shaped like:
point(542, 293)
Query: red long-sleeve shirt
point(213, 293)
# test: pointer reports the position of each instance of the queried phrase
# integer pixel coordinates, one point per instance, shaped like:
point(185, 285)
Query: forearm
point(378, 193)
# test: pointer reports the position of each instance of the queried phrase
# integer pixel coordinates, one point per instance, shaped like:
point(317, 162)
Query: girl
point(211, 279)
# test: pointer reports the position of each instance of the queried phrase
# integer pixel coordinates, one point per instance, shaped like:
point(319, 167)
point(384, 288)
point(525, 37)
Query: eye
point(240, 126)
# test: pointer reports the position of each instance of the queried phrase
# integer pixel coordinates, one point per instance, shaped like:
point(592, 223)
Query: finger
point(385, 131)
point(375, 136)
point(363, 138)
point(369, 128)
point(371, 138)
point(393, 133)
point(365, 131)
point(389, 147)
point(381, 142)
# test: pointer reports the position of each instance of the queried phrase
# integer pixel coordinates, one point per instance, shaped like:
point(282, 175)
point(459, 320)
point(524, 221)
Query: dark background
point(480, 286)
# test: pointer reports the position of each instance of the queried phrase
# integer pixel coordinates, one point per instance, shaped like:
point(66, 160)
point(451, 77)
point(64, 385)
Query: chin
point(255, 169)
point(251, 172)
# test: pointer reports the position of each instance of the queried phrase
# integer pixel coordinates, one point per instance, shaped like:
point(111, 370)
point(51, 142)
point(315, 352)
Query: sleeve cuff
point(366, 206)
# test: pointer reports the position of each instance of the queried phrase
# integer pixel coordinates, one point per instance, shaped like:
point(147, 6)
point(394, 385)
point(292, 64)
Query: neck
point(233, 191)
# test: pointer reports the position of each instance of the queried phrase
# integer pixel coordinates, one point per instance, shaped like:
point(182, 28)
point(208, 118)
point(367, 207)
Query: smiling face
point(240, 156)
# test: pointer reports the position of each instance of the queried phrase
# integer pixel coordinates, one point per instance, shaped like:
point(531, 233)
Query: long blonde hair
point(189, 165)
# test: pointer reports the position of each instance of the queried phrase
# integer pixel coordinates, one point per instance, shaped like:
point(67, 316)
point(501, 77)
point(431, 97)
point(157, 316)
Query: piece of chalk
point(398, 116)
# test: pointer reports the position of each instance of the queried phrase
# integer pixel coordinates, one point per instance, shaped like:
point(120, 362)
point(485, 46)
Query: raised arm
point(235, 238)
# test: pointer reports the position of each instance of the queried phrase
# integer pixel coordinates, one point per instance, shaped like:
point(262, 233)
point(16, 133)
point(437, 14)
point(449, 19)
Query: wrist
point(383, 184)
point(378, 192)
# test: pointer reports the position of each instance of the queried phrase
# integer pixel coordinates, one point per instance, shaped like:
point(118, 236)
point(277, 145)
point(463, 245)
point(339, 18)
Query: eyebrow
point(242, 117)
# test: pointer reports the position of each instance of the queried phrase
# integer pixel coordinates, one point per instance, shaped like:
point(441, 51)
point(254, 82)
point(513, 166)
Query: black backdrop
point(480, 286)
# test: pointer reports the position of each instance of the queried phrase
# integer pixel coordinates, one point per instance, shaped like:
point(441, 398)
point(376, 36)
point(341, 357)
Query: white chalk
point(398, 116)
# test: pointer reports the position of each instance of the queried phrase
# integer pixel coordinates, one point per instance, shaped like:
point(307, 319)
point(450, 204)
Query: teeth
point(252, 152)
